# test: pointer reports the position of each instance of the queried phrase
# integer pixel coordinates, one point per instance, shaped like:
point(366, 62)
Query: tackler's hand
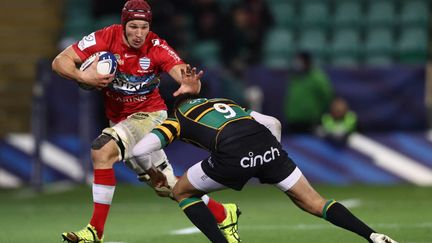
point(190, 82)
point(157, 178)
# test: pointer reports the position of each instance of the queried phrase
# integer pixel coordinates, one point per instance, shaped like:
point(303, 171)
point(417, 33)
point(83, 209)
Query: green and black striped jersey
point(199, 121)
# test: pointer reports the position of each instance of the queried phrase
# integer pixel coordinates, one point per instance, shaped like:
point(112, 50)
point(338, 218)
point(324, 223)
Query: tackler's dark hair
point(184, 97)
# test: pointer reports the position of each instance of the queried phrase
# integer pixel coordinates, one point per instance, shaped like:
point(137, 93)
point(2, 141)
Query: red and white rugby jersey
point(135, 87)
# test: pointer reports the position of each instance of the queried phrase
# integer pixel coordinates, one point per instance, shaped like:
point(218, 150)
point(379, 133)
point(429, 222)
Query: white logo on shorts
point(252, 160)
point(210, 162)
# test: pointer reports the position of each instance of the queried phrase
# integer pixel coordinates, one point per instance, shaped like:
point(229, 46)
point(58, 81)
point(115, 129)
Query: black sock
point(201, 217)
point(339, 215)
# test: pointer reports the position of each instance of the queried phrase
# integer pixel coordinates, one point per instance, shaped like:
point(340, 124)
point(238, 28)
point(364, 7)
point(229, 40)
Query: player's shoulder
point(109, 33)
point(114, 29)
point(223, 100)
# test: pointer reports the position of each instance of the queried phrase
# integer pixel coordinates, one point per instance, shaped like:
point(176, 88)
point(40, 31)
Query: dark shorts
point(257, 155)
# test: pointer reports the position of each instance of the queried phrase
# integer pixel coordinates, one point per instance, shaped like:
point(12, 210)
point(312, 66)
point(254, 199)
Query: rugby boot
point(229, 226)
point(380, 238)
point(86, 235)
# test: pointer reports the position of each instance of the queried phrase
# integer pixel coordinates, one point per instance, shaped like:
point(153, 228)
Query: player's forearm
point(145, 146)
point(182, 74)
point(175, 72)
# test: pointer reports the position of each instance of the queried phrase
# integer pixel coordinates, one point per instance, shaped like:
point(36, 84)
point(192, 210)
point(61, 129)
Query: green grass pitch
point(138, 215)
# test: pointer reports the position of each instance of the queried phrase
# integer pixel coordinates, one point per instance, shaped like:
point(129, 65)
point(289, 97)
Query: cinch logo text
point(259, 159)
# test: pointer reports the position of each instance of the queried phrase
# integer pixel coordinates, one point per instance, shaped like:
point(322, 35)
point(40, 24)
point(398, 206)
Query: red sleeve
point(167, 58)
point(92, 43)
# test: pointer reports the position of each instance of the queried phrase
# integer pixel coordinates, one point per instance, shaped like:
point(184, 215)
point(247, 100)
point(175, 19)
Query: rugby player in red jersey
point(133, 106)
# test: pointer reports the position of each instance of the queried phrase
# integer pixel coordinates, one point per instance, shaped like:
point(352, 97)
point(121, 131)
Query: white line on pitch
point(194, 230)
point(185, 231)
point(351, 203)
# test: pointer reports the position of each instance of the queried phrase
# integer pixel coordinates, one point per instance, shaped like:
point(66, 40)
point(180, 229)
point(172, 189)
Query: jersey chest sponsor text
point(125, 99)
point(253, 160)
point(130, 84)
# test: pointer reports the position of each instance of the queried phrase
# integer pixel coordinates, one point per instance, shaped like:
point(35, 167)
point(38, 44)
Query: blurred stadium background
point(375, 52)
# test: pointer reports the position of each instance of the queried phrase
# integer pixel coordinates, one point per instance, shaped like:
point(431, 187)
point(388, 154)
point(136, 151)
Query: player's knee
point(100, 159)
point(101, 141)
point(104, 158)
point(104, 149)
point(178, 194)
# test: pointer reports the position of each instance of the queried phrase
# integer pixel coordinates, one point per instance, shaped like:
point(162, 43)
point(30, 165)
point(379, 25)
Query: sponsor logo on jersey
point(155, 42)
point(126, 99)
point(87, 41)
point(197, 101)
point(253, 160)
point(129, 55)
point(131, 84)
point(145, 71)
point(144, 62)
point(119, 60)
point(171, 52)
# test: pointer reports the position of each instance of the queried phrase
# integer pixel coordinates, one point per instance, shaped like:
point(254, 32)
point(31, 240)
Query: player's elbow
point(275, 124)
point(55, 64)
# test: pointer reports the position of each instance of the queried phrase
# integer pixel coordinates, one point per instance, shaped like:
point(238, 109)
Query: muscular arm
point(145, 146)
point(270, 122)
point(65, 64)
point(141, 152)
point(159, 138)
point(188, 79)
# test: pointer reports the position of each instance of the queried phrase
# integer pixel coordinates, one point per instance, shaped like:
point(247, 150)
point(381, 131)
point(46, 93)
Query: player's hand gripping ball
point(107, 64)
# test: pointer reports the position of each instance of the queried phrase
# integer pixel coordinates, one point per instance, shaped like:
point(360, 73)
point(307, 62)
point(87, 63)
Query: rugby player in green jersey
point(243, 145)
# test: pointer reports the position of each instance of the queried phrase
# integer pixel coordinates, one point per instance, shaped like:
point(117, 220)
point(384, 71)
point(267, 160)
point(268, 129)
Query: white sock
point(103, 194)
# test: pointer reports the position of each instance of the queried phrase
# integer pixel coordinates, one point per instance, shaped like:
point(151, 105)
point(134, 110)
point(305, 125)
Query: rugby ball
point(107, 63)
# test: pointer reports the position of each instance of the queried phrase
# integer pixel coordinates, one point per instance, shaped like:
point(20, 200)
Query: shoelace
point(234, 230)
point(82, 233)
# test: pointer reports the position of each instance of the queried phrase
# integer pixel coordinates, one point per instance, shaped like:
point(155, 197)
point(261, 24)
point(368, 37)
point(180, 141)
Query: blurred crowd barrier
point(385, 99)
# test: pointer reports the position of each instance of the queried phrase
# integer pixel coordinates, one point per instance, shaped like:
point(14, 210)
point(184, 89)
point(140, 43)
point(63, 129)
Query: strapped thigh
point(131, 130)
point(108, 134)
